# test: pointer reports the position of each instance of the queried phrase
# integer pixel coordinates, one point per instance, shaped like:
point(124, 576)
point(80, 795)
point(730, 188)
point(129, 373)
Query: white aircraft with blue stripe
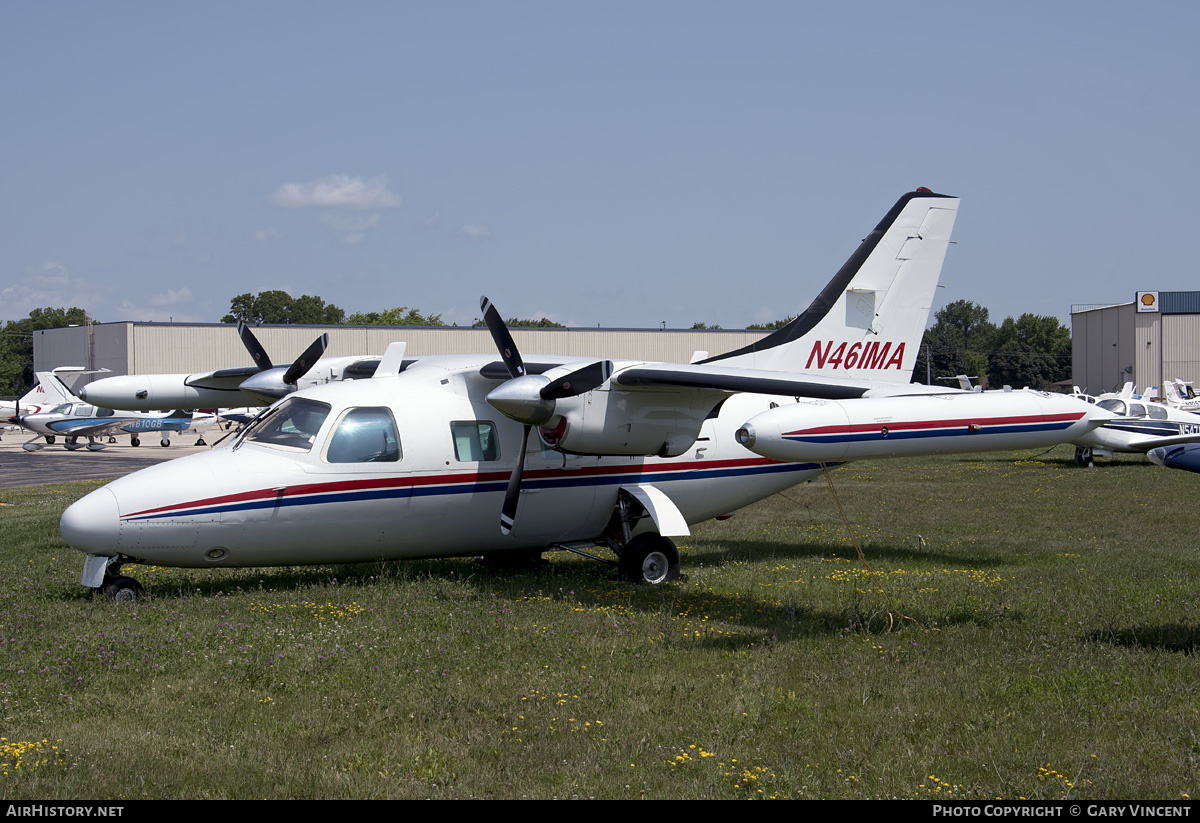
point(76, 420)
point(1137, 425)
point(431, 456)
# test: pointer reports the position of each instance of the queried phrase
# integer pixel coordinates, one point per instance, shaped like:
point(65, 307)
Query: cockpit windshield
point(293, 424)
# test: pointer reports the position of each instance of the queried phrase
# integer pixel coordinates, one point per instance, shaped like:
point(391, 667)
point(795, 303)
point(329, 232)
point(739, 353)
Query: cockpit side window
point(83, 411)
point(365, 435)
point(1137, 410)
point(1113, 405)
point(475, 441)
point(292, 425)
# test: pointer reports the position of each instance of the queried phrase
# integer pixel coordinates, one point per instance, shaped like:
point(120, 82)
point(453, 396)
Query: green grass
point(1036, 640)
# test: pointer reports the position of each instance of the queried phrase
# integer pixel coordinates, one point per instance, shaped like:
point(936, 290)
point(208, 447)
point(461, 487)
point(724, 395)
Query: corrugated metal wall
point(1115, 344)
point(1181, 347)
point(169, 348)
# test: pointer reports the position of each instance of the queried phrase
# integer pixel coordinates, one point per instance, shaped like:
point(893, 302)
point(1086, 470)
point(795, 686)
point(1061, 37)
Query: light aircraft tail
point(49, 391)
point(868, 321)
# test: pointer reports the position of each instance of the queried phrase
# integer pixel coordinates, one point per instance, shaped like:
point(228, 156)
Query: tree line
point(1032, 350)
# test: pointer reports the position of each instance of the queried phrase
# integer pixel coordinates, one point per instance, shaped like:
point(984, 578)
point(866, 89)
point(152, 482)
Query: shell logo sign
point(1147, 301)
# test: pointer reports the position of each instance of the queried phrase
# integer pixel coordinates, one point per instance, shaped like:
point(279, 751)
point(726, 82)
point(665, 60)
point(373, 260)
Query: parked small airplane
point(49, 391)
point(419, 460)
point(1186, 457)
point(1178, 394)
point(1137, 426)
point(78, 419)
point(260, 385)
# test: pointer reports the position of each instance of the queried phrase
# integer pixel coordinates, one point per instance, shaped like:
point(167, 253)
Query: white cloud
point(52, 275)
point(336, 191)
point(476, 233)
point(50, 284)
point(351, 228)
point(270, 233)
point(171, 297)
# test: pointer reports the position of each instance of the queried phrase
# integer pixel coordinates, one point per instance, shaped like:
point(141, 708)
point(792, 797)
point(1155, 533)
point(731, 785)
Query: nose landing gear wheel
point(123, 590)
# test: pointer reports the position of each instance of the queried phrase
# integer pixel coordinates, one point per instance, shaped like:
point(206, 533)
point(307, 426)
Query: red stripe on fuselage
point(938, 424)
point(449, 480)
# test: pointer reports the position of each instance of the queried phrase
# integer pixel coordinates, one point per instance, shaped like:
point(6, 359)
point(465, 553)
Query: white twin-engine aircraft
point(423, 458)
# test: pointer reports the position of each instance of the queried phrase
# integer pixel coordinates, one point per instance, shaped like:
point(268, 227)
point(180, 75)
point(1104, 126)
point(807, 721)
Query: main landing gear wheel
point(50, 439)
point(1083, 457)
point(135, 441)
point(164, 443)
point(649, 558)
point(123, 590)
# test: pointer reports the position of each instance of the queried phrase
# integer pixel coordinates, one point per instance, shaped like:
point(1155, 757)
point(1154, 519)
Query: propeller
point(273, 382)
point(530, 398)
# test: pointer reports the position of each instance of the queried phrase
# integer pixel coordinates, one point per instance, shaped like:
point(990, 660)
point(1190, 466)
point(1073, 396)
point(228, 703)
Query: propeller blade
point(580, 381)
point(508, 514)
point(502, 338)
point(305, 361)
point(254, 347)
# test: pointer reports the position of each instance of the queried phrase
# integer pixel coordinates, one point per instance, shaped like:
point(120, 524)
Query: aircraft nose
point(91, 525)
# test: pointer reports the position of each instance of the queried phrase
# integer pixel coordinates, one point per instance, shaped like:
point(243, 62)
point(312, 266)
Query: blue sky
point(615, 163)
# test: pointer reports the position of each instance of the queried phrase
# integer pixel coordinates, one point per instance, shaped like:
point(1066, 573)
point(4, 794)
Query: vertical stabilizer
point(868, 321)
point(50, 391)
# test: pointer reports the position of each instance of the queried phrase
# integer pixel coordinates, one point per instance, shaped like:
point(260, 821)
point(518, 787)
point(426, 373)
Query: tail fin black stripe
point(829, 295)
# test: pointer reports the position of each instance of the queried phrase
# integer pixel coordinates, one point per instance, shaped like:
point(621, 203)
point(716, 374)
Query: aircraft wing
point(1163, 442)
point(87, 426)
point(703, 377)
point(221, 379)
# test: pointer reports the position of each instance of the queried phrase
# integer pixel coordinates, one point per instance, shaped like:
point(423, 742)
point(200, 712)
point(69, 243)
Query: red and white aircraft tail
point(47, 393)
point(867, 323)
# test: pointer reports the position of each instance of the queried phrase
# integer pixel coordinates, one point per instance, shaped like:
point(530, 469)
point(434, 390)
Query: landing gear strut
point(1083, 457)
point(643, 558)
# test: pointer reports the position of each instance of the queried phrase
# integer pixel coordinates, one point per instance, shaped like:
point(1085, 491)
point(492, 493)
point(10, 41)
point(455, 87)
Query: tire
point(649, 558)
point(123, 590)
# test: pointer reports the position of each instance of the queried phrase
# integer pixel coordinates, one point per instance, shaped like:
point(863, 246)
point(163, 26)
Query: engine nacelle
point(644, 423)
point(150, 392)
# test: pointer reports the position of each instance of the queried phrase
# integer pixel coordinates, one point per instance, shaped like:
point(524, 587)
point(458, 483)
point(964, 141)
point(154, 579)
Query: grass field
point(1035, 641)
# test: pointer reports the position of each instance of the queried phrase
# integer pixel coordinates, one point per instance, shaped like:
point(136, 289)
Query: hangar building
point(183, 348)
point(1155, 337)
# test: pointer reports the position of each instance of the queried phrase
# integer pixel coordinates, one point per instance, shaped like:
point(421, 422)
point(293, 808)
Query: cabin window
point(1113, 405)
point(83, 411)
point(475, 441)
point(1137, 410)
point(105, 413)
point(293, 424)
point(1157, 412)
point(366, 435)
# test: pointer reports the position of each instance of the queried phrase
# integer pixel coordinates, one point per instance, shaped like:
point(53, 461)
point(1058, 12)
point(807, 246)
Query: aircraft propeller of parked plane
point(432, 456)
point(258, 385)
